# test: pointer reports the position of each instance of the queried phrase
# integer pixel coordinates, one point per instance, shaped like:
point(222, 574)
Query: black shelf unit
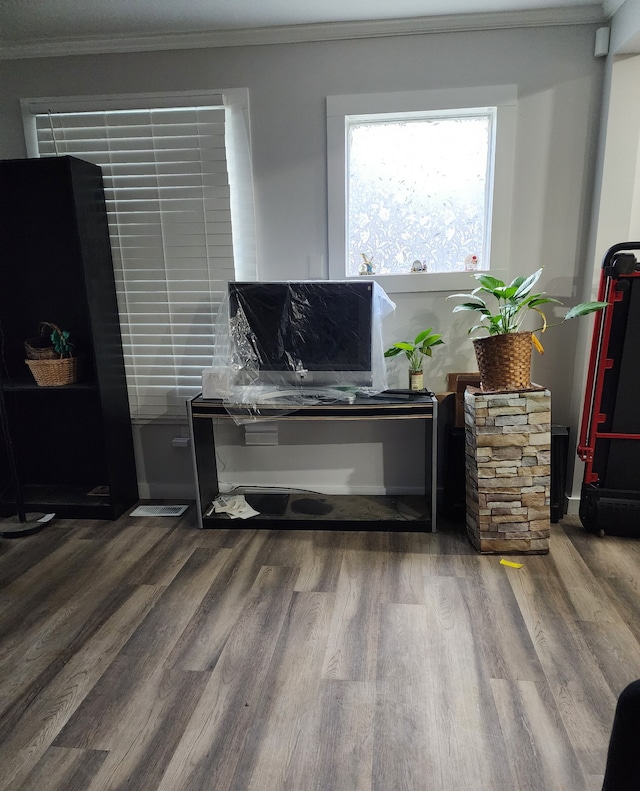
point(73, 444)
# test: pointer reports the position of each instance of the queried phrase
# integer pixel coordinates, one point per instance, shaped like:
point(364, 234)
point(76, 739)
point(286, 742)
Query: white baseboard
point(572, 505)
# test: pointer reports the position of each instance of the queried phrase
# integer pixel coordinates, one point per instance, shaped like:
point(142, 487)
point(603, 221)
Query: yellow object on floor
point(511, 564)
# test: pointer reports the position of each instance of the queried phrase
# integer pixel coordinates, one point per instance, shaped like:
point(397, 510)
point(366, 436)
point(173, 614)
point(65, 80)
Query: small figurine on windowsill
point(419, 266)
point(471, 263)
point(366, 267)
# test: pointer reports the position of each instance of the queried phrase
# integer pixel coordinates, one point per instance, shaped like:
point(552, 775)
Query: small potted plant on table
point(415, 350)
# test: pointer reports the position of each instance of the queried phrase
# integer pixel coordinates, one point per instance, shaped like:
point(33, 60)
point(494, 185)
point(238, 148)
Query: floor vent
point(159, 510)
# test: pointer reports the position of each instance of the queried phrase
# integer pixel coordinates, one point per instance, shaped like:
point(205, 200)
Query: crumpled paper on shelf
point(235, 505)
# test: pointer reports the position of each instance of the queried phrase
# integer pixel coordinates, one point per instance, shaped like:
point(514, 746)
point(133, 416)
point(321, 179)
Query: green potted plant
point(56, 364)
point(61, 342)
point(415, 351)
point(504, 357)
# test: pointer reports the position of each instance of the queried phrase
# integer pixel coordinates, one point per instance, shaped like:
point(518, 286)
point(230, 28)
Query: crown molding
point(611, 6)
point(295, 34)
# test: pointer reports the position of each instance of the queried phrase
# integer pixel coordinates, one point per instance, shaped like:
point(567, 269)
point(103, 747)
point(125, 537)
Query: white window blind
point(169, 208)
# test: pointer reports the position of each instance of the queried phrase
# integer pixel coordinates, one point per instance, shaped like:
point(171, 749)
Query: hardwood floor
point(146, 654)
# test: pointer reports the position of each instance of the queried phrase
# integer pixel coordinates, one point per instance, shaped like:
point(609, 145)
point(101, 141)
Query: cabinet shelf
point(67, 502)
point(32, 387)
point(402, 513)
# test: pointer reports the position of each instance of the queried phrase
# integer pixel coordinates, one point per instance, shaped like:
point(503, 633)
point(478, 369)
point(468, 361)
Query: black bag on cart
point(609, 441)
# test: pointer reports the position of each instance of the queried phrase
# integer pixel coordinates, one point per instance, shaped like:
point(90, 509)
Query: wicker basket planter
point(49, 357)
point(504, 361)
point(54, 373)
point(39, 352)
point(41, 348)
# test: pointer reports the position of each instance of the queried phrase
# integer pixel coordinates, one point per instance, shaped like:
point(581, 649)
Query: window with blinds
point(169, 201)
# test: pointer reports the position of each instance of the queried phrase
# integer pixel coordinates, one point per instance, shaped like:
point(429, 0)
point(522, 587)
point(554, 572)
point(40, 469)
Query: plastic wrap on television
point(282, 345)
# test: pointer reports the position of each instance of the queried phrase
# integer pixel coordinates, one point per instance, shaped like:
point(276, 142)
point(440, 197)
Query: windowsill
point(420, 282)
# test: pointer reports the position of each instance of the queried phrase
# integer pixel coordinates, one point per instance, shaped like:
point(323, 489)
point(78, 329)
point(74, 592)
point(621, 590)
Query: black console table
point(397, 513)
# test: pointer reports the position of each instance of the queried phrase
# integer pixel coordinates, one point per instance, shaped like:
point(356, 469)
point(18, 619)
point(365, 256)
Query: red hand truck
point(609, 442)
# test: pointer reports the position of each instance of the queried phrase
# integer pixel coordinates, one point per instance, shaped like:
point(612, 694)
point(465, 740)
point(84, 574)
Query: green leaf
point(471, 306)
point(517, 281)
point(479, 327)
point(472, 295)
point(537, 299)
point(489, 283)
point(433, 341)
point(584, 308)
point(528, 283)
point(501, 293)
point(510, 291)
point(422, 335)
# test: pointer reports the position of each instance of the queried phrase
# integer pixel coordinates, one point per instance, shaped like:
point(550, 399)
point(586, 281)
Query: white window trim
point(503, 97)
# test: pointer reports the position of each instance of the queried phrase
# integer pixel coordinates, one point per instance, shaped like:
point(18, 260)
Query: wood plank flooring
point(145, 654)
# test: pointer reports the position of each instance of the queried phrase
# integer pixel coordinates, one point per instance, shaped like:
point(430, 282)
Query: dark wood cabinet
point(72, 444)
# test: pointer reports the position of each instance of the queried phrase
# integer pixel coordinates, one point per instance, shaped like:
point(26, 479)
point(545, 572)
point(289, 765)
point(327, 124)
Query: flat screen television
point(307, 333)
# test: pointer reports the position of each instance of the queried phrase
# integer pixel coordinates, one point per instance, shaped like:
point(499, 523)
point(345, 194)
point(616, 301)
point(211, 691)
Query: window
point(177, 178)
point(419, 185)
point(417, 190)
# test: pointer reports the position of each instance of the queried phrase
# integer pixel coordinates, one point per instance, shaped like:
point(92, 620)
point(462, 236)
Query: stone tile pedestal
point(508, 470)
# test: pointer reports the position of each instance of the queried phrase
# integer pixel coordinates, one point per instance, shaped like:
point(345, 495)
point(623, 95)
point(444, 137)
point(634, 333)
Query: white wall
point(625, 29)
point(616, 205)
point(559, 91)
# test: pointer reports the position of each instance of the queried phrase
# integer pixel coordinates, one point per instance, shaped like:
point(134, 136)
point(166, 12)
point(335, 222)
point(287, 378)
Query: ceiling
point(31, 27)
